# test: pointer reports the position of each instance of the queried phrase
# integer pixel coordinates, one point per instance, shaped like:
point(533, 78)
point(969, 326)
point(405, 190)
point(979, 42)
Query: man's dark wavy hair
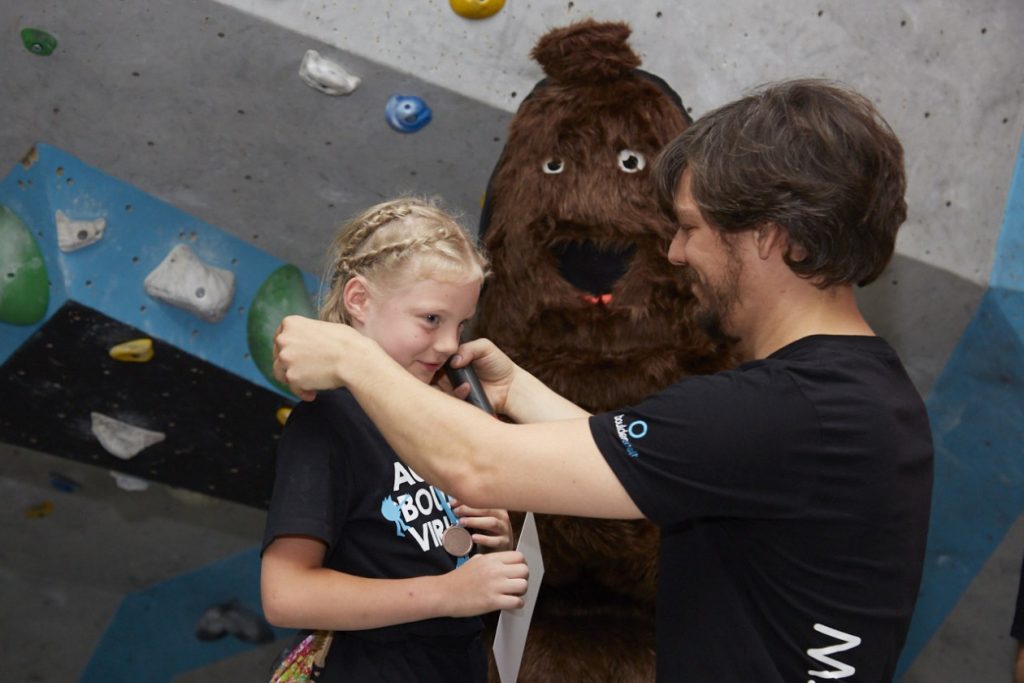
point(810, 156)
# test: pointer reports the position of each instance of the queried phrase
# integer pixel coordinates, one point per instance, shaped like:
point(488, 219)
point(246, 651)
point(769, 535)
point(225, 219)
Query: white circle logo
point(637, 429)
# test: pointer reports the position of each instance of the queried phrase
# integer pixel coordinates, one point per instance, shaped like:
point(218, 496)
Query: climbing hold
point(282, 293)
point(235, 619)
point(134, 351)
point(39, 511)
point(127, 482)
point(122, 439)
point(72, 235)
point(407, 113)
point(282, 414)
point(62, 483)
point(476, 9)
point(184, 281)
point(38, 41)
point(24, 286)
point(326, 76)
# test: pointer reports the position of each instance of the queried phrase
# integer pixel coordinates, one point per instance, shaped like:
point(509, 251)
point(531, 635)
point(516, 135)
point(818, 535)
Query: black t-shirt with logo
point(339, 481)
point(793, 496)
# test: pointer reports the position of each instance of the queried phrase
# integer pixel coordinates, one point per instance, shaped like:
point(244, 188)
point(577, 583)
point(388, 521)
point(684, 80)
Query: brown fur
point(594, 618)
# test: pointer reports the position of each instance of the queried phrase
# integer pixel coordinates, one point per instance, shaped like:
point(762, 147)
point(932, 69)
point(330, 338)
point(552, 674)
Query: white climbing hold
point(184, 281)
point(127, 482)
point(72, 235)
point(122, 439)
point(326, 76)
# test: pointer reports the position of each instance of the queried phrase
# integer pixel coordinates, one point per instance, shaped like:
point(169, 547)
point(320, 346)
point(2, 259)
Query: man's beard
point(710, 321)
point(717, 303)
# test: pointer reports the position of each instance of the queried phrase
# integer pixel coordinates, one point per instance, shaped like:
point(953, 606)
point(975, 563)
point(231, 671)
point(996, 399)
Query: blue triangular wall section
point(977, 414)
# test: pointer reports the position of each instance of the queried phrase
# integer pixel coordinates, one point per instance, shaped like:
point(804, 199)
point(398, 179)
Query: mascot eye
point(631, 162)
point(553, 166)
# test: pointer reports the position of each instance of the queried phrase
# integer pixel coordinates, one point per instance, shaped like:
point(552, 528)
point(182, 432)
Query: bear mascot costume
point(584, 297)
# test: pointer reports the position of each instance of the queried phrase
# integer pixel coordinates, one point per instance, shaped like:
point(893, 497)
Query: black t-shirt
point(793, 496)
point(1017, 627)
point(337, 480)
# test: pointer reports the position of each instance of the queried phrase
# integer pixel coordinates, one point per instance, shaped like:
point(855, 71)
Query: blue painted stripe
point(1008, 271)
point(977, 414)
point(151, 637)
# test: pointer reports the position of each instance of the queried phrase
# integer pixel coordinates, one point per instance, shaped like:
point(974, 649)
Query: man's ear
point(770, 236)
point(355, 297)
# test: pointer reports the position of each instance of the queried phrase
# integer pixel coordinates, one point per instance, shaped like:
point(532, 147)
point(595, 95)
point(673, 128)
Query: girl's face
point(417, 324)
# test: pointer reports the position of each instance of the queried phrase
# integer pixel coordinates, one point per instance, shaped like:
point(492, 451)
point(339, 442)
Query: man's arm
point(511, 390)
point(552, 466)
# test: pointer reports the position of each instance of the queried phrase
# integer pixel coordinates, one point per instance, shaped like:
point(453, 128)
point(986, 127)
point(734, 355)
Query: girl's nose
point(447, 342)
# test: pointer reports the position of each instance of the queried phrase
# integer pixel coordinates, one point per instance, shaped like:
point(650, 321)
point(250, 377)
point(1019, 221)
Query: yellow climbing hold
point(476, 9)
point(282, 414)
point(134, 351)
point(39, 511)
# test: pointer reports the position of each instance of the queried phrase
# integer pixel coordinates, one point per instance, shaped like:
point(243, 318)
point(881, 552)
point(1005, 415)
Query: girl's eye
point(432, 318)
point(553, 166)
point(631, 162)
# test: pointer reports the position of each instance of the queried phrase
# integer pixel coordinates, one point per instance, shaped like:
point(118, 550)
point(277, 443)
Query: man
point(793, 492)
point(1017, 631)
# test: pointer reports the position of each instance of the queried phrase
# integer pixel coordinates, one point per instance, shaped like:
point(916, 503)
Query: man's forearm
point(530, 400)
point(437, 435)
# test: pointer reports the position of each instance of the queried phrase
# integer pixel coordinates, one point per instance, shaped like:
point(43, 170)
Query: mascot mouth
point(592, 269)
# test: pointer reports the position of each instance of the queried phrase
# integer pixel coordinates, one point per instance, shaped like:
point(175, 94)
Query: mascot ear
point(664, 87)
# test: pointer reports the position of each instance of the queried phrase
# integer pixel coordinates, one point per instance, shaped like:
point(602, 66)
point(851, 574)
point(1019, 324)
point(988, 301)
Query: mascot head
point(583, 294)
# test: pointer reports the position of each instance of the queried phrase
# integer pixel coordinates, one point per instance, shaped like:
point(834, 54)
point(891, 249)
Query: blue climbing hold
point(407, 113)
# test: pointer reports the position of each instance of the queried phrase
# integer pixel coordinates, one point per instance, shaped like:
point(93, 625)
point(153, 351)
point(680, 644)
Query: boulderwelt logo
point(635, 430)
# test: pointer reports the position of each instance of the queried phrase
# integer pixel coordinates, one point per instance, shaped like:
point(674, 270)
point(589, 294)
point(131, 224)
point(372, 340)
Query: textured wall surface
point(198, 103)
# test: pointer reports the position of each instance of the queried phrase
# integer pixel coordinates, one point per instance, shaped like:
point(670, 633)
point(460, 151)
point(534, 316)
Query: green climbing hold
point(283, 293)
point(38, 41)
point(24, 286)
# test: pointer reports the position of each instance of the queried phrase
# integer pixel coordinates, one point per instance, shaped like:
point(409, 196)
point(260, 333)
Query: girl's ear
point(356, 298)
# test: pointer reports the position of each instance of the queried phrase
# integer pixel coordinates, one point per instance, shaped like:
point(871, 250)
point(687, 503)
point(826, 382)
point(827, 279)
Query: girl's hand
point(486, 583)
point(490, 529)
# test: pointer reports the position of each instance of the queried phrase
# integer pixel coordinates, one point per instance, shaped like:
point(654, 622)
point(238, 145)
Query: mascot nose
point(592, 269)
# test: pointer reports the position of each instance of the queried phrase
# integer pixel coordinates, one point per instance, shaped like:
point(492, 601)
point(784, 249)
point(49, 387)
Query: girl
point(353, 542)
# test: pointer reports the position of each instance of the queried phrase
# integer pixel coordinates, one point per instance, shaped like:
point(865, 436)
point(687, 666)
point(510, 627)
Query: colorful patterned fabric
point(306, 661)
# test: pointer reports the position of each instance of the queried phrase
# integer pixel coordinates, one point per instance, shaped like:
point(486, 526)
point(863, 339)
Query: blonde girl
point(354, 537)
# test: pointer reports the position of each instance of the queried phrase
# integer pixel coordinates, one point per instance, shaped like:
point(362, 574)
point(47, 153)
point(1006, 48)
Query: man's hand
point(495, 370)
point(512, 391)
point(308, 354)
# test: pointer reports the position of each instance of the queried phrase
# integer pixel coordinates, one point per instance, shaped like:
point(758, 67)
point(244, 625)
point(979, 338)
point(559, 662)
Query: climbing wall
point(135, 337)
point(201, 105)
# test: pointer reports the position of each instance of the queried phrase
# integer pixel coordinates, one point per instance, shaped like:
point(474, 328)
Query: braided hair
point(395, 243)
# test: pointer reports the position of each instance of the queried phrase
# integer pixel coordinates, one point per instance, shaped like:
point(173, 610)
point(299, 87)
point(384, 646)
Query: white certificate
point(514, 624)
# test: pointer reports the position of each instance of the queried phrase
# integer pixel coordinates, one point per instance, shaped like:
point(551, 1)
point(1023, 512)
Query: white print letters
point(822, 654)
point(405, 475)
point(420, 509)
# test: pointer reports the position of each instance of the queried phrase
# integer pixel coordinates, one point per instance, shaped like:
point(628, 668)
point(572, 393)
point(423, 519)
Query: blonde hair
point(395, 243)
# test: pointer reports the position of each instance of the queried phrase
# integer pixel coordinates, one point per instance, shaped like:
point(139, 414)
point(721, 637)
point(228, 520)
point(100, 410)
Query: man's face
point(715, 264)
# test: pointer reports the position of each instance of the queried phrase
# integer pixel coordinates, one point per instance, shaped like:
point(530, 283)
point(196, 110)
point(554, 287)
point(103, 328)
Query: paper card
point(513, 625)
